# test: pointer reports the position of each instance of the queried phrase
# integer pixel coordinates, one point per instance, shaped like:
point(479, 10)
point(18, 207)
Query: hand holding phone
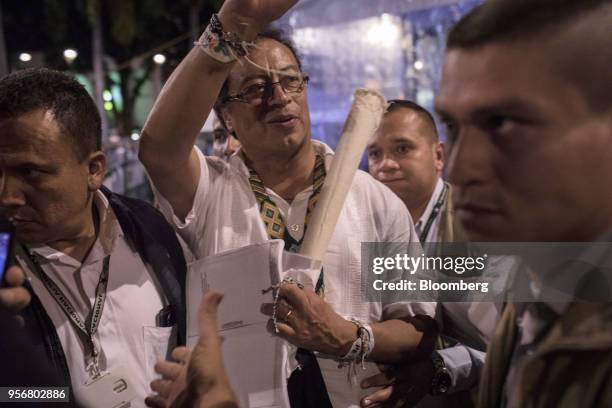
point(7, 232)
point(13, 296)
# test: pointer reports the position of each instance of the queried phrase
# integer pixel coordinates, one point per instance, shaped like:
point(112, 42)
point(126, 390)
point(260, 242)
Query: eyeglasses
point(257, 92)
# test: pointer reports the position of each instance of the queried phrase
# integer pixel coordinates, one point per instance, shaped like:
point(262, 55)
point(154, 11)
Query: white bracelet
point(361, 347)
point(212, 44)
point(371, 342)
point(353, 354)
point(221, 45)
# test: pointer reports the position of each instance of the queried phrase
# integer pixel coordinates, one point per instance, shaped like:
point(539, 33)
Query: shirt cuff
point(464, 365)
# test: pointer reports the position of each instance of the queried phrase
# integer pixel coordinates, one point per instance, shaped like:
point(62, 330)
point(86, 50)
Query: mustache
point(13, 216)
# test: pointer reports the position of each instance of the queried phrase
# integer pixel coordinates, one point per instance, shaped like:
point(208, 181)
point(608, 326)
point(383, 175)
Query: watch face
point(444, 381)
point(441, 381)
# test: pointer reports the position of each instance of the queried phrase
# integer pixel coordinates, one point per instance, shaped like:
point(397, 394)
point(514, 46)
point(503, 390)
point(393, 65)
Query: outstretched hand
point(197, 378)
point(206, 376)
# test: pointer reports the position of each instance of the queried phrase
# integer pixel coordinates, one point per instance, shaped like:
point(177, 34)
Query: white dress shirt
point(225, 215)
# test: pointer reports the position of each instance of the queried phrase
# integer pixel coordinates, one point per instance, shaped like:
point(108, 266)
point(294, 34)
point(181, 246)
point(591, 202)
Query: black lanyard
point(86, 331)
point(434, 213)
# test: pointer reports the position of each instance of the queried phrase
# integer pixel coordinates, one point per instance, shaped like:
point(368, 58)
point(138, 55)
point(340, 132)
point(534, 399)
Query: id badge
point(113, 389)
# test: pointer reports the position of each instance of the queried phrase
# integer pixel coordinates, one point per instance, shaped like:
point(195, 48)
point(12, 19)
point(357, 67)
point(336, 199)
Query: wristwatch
point(441, 381)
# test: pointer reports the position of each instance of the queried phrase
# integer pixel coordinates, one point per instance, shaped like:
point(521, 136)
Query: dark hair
point(271, 33)
point(73, 109)
point(396, 104)
point(585, 61)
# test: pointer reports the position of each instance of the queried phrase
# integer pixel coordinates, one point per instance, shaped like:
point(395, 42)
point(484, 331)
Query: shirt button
point(295, 227)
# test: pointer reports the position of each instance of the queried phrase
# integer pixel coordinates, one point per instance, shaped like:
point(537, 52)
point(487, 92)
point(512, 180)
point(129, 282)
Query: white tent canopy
point(316, 13)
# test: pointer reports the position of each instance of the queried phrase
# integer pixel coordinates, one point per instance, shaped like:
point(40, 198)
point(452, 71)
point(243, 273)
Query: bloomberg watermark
point(490, 272)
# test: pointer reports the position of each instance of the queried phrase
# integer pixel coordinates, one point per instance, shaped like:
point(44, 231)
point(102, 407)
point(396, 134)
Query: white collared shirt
point(225, 215)
point(127, 334)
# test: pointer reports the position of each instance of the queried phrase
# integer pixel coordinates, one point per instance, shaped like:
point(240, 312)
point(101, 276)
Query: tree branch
point(140, 81)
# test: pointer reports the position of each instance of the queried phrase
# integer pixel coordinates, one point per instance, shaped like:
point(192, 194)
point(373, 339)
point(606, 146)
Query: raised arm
point(168, 137)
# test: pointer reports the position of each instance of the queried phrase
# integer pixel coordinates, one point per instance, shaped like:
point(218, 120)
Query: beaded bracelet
point(223, 46)
point(370, 338)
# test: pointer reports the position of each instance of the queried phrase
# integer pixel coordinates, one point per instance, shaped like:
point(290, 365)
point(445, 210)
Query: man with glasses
point(268, 188)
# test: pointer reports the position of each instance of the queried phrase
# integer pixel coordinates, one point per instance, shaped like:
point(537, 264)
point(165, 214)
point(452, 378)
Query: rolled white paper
point(363, 120)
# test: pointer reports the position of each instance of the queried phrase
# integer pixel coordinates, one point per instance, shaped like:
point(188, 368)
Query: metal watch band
point(441, 381)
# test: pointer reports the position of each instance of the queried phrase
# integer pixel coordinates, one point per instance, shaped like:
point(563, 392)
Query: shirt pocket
point(158, 343)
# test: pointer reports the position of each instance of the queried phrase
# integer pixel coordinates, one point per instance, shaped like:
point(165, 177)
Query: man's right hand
point(249, 17)
point(13, 296)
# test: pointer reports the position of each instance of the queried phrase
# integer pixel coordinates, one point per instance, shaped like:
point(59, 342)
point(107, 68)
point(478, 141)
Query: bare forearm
point(188, 97)
point(166, 147)
point(395, 341)
point(182, 108)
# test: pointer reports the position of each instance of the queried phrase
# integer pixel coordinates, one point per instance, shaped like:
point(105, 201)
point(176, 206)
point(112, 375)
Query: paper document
point(254, 359)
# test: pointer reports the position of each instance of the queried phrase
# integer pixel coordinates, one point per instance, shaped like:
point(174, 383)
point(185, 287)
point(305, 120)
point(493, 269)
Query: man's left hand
point(307, 321)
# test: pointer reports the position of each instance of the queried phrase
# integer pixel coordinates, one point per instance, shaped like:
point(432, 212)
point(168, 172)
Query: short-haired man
point(526, 95)
point(407, 156)
point(106, 272)
point(276, 175)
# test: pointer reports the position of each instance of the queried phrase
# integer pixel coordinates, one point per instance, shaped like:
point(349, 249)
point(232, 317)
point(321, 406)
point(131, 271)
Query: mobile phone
point(7, 232)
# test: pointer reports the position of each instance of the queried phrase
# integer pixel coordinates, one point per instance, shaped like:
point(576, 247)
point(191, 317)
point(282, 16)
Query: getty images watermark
point(487, 272)
point(405, 263)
